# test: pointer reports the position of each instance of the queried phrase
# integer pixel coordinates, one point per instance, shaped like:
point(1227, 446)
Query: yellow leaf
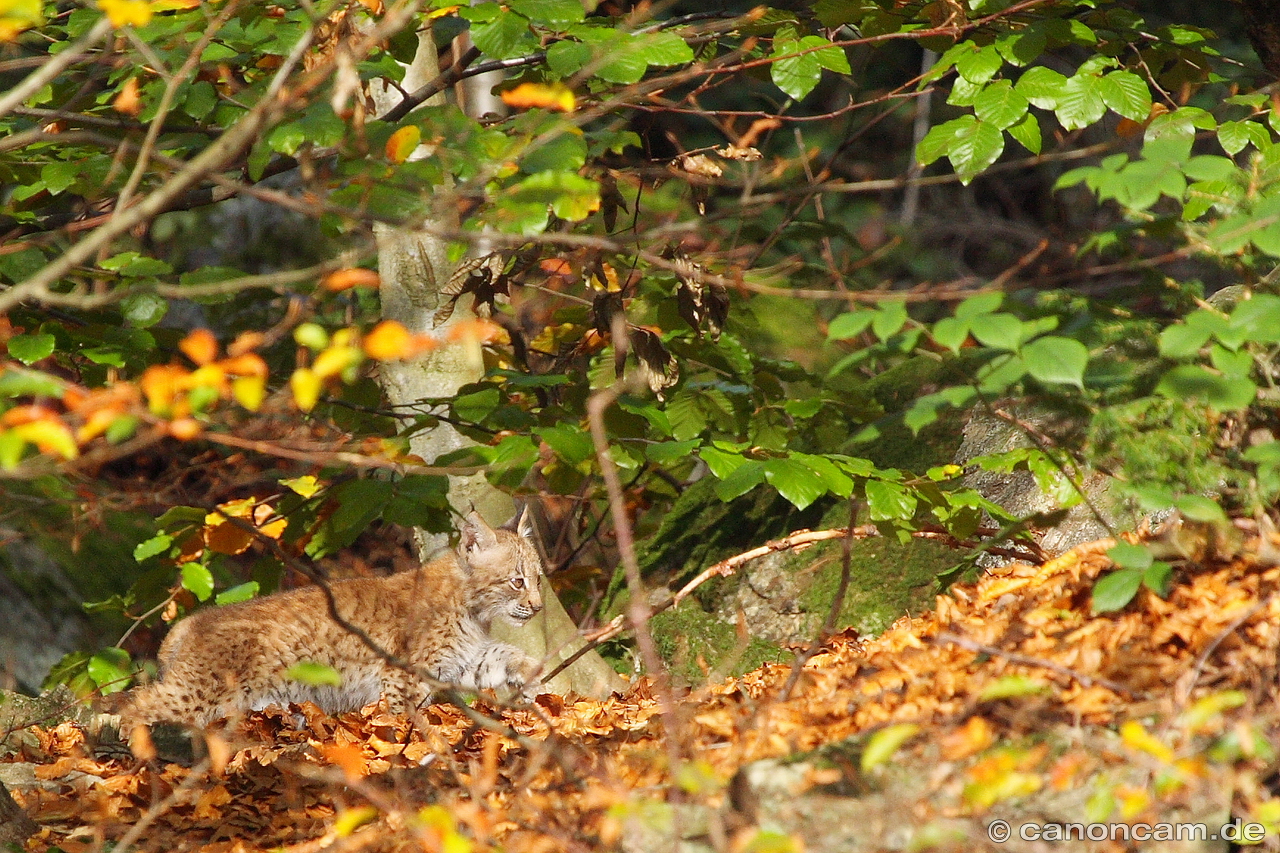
point(249, 391)
point(49, 436)
point(402, 143)
point(18, 15)
point(306, 485)
point(1205, 714)
point(334, 360)
point(1133, 802)
point(306, 388)
point(1134, 736)
point(123, 13)
point(552, 96)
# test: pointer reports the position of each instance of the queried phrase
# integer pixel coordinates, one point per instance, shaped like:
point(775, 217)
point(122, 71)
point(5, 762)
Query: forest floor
point(1008, 708)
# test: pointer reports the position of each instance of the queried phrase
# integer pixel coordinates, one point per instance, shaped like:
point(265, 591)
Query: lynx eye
point(517, 583)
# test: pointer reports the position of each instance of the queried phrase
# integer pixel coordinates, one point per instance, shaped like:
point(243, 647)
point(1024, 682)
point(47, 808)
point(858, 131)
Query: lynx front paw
point(506, 668)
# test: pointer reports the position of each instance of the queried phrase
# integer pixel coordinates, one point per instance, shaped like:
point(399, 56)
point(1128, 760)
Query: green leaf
point(569, 195)
point(850, 325)
point(570, 441)
point(980, 305)
point(951, 333)
point(1127, 556)
point(888, 501)
point(1183, 340)
point(1041, 86)
point(237, 593)
point(153, 546)
point(142, 310)
point(741, 480)
point(889, 319)
point(566, 58)
point(1080, 102)
point(1191, 381)
point(505, 37)
point(1000, 105)
point(671, 452)
point(1027, 133)
point(198, 580)
point(1210, 168)
point(29, 349)
point(1126, 94)
point(884, 743)
point(1116, 590)
point(1158, 577)
point(110, 669)
point(666, 49)
point(938, 141)
point(975, 148)
point(1200, 508)
point(15, 382)
point(313, 673)
point(476, 406)
point(1012, 687)
point(1056, 359)
point(134, 265)
point(554, 13)
point(795, 481)
point(794, 73)
point(979, 64)
point(999, 331)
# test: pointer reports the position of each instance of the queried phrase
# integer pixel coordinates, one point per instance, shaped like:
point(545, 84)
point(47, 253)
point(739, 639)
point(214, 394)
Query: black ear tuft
point(522, 522)
point(476, 535)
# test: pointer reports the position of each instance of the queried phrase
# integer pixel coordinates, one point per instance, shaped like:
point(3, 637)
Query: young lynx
point(224, 661)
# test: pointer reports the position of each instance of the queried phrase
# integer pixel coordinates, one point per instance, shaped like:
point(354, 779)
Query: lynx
point(225, 661)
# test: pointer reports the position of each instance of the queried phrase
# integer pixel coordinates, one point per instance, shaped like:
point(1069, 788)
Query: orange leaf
point(402, 143)
point(388, 340)
point(347, 757)
point(128, 102)
point(200, 346)
point(553, 96)
point(352, 277)
point(245, 342)
point(185, 429)
point(161, 384)
point(227, 537)
point(248, 364)
point(485, 331)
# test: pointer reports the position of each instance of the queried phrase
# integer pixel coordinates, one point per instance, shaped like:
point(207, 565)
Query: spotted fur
point(223, 661)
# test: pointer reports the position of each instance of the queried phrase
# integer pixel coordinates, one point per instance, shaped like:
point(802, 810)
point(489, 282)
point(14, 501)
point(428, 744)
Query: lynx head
point(505, 569)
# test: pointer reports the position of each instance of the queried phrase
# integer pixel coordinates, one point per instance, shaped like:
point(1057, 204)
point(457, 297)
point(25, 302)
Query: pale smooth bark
point(413, 265)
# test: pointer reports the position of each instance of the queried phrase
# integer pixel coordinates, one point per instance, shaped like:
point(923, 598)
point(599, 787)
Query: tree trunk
point(413, 266)
point(15, 826)
point(1262, 25)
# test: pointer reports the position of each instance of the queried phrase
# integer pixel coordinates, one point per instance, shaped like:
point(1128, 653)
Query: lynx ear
point(524, 522)
point(477, 536)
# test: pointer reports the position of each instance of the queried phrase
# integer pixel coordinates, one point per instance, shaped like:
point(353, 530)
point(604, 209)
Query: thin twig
point(1187, 682)
point(1026, 660)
